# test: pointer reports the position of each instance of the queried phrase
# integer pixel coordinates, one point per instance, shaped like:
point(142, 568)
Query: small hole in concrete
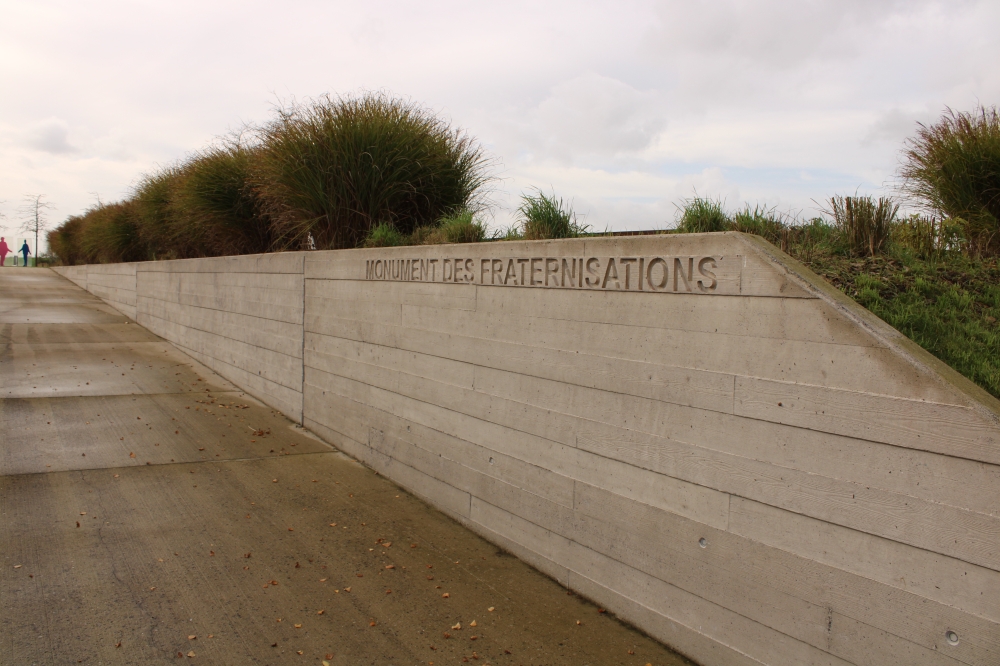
point(703, 542)
point(951, 637)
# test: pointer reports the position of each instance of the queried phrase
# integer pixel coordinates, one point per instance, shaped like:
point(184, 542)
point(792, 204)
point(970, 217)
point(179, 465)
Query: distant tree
point(34, 217)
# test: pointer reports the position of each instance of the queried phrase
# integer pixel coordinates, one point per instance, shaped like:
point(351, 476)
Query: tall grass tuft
point(866, 223)
point(542, 217)
point(701, 215)
point(953, 166)
point(215, 209)
point(64, 240)
point(112, 234)
point(759, 220)
point(385, 235)
point(338, 167)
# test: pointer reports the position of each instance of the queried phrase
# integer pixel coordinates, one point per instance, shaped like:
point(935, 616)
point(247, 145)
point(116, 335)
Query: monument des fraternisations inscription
point(654, 274)
point(694, 430)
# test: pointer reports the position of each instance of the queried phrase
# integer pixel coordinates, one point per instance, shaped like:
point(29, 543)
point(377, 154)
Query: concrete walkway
point(152, 513)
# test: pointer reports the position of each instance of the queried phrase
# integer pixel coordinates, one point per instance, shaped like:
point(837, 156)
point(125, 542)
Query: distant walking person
point(4, 249)
point(25, 251)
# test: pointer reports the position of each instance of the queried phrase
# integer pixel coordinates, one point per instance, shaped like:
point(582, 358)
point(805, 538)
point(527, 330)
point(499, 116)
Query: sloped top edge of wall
point(975, 396)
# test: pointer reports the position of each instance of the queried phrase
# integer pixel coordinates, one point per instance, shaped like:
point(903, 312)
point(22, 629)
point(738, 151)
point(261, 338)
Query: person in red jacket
point(4, 249)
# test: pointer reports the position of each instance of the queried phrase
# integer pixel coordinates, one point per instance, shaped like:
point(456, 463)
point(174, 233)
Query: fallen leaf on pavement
point(192, 637)
point(320, 612)
point(274, 582)
point(131, 454)
point(446, 595)
point(472, 624)
point(298, 626)
point(118, 644)
point(191, 654)
point(390, 566)
point(323, 580)
point(458, 625)
point(490, 609)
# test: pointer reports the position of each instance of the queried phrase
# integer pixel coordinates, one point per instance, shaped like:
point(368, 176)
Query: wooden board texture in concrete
point(694, 430)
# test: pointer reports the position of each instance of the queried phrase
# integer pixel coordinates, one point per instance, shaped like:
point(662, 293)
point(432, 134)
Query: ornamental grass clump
point(340, 166)
point(953, 168)
point(542, 217)
point(701, 215)
point(216, 211)
point(865, 223)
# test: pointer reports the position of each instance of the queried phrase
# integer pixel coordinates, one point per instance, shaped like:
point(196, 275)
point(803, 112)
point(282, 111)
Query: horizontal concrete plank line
point(283, 337)
point(441, 495)
point(275, 396)
point(740, 315)
point(914, 472)
point(874, 369)
point(721, 624)
point(202, 307)
point(959, 533)
point(295, 387)
point(387, 433)
point(228, 341)
point(966, 535)
point(949, 429)
point(668, 493)
point(256, 358)
point(231, 297)
point(670, 384)
point(688, 641)
point(960, 584)
point(902, 612)
point(882, 371)
point(751, 316)
point(775, 588)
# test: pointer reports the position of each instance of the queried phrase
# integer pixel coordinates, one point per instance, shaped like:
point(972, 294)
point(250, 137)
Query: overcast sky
point(623, 107)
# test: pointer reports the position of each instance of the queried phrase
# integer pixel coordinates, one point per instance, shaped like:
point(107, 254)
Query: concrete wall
point(745, 464)
point(240, 316)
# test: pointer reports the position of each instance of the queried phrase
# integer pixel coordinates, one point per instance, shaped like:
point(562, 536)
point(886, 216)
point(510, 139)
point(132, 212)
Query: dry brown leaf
point(578, 622)
point(118, 644)
point(347, 589)
point(274, 480)
point(152, 588)
point(472, 624)
point(457, 626)
point(298, 626)
point(131, 454)
point(320, 612)
point(490, 609)
point(371, 624)
point(18, 566)
point(446, 595)
point(333, 524)
point(83, 513)
point(274, 582)
point(192, 637)
point(390, 566)
point(326, 663)
point(472, 638)
point(211, 635)
point(323, 580)
point(191, 654)
point(387, 544)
